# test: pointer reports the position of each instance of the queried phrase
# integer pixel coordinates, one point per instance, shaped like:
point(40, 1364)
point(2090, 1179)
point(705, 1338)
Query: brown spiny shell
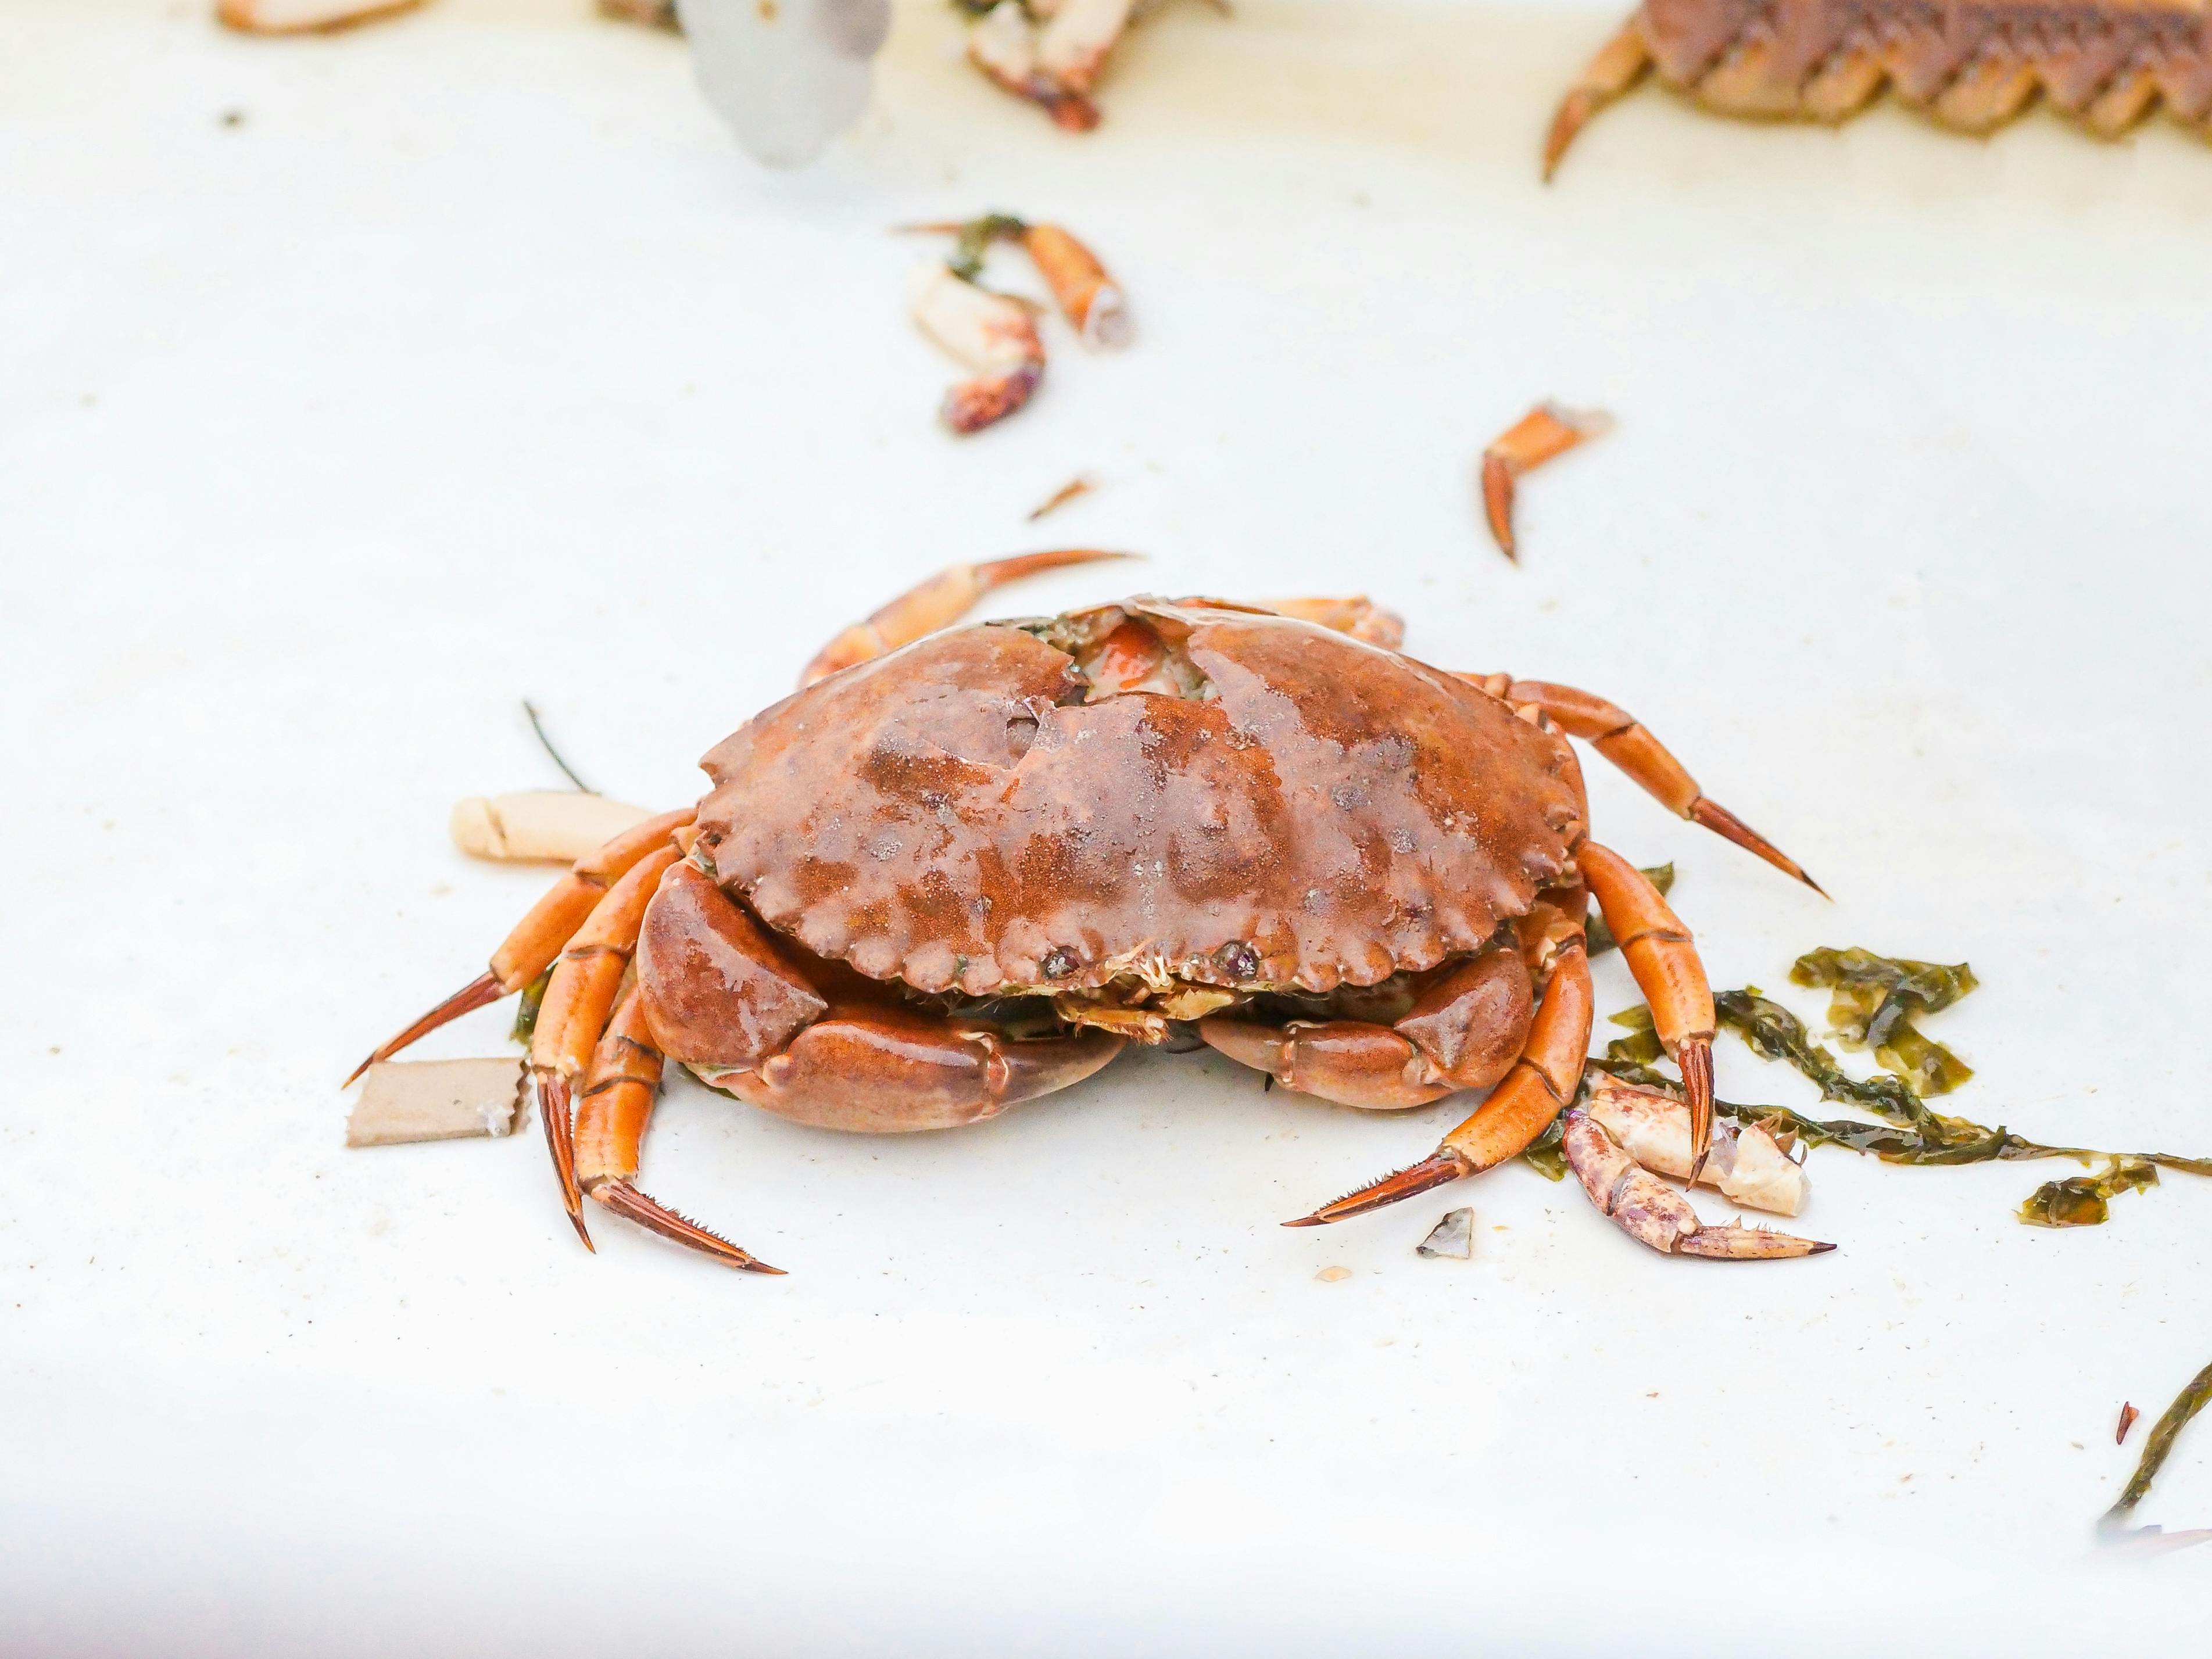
point(955, 815)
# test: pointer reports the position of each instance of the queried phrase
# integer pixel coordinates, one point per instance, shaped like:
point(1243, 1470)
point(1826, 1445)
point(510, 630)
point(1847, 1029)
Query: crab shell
point(971, 814)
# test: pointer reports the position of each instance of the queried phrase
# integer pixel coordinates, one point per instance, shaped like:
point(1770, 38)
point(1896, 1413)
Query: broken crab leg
point(1663, 959)
point(613, 1112)
point(538, 938)
point(1091, 300)
point(1005, 46)
point(937, 603)
point(304, 17)
point(1358, 616)
point(577, 1002)
point(1651, 1212)
point(1542, 1081)
point(1075, 41)
point(991, 334)
point(1544, 432)
point(1623, 740)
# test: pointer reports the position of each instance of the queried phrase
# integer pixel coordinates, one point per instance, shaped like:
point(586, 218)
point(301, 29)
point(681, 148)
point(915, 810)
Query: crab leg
point(611, 1116)
point(1622, 62)
point(1663, 959)
point(1651, 1212)
point(575, 1009)
point(1543, 433)
point(1623, 740)
point(1542, 1081)
point(538, 937)
point(937, 603)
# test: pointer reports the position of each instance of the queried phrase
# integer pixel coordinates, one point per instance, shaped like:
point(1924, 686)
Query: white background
point(475, 363)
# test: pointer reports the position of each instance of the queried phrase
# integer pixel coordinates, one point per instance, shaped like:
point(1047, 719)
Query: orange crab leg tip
point(1728, 827)
point(1574, 113)
point(625, 1199)
point(561, 1142)
point(1694, 1057)
point(478, 993)
point(1497, 503)
point(1440, 1167)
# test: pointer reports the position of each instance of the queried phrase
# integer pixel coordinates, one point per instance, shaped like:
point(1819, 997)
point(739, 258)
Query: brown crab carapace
point(961, 869)
point(1971, 65)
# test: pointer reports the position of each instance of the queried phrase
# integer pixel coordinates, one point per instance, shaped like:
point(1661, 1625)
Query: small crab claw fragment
point(1748, 1163)
point(1544, 432)
point(1651, 1212)
point(304, 17)
point(935, 603)
point(991, 334)
point(1092, 300)
point(1050, 52)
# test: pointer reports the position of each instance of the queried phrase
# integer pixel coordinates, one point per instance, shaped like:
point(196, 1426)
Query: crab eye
point(1237, 959)
point(1060, 963)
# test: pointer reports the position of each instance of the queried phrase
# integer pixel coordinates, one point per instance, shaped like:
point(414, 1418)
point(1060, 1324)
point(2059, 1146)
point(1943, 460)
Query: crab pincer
point(1651, 1212)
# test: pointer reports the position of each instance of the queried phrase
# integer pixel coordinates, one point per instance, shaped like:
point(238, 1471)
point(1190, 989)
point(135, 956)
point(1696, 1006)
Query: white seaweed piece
point(788, 75)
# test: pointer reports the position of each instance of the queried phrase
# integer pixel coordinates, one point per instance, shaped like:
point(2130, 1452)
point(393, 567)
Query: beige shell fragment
point(1452, 1237)
point(1745, 1162)
point(405, 1101)
point(302, 16)
point(555, 826)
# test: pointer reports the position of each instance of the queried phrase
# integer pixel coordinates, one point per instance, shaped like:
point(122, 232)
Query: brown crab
point(962, 869)
point(1971, 65)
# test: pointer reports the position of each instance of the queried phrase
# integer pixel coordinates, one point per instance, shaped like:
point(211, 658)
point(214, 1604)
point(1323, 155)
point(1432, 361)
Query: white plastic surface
point(473, 362)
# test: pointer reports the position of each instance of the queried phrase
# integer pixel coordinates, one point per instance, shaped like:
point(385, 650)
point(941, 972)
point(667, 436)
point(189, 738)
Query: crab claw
point(1651, 1212)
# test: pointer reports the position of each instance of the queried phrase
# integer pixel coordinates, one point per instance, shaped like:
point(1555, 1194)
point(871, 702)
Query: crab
point(963, 867)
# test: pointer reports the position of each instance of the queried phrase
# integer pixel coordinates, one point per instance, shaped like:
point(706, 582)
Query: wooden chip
point(554, 826)
point(404, 1101)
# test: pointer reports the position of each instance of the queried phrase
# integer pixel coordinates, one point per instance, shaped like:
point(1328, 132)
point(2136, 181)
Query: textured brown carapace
point(962, 869)
point(1971, 65)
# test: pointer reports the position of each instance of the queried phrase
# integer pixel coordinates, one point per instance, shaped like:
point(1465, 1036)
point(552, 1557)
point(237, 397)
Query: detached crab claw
point(1651, 1212)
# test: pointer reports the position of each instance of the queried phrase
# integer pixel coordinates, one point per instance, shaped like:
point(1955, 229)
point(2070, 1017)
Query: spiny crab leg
point(1544, 432)
point(1541, 1082)
point(613, 1110)
point(538, 937)
point(577, 999)
point(937, 603)
point(1651, 1212)
point(1629, 745)
point(1664, 957)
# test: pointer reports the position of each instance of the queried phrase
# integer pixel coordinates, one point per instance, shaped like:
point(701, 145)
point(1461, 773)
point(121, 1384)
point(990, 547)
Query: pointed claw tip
point(762, 1268)
point(1819, 1250)
point(353, 1076)
point(1314, 1220)
point(577, 1222)
point(1816, 887)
